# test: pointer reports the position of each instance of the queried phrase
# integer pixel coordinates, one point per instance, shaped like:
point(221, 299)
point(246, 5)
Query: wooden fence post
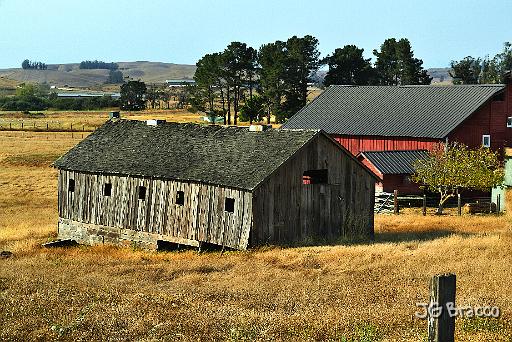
point(395, 202)
point(459, 207)
point(442, 292)
point(424, 205)
point(498, 204)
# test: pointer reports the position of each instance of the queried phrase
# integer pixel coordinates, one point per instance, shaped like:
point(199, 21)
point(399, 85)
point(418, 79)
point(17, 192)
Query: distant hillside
point(149, 72)
point(70, 74)
point(440, 75)
point(7, 86)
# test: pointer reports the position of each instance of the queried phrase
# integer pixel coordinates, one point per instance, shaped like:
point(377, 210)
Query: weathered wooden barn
point(150, 182)
point(395, 118)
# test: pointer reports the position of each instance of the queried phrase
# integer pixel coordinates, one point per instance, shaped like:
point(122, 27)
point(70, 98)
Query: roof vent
point(154, 122)
point(259, 128)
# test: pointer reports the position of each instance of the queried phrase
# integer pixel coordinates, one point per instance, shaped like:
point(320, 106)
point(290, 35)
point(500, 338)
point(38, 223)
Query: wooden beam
point(442, 294)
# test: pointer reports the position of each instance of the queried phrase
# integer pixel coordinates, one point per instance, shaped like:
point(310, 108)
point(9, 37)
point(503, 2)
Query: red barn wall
point(401, 183)
point(490, 119)
point(356, 144)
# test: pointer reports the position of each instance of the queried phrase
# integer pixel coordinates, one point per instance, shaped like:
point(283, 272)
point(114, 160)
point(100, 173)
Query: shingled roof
point(395, 162)
point(227, 156)
point(408, 111)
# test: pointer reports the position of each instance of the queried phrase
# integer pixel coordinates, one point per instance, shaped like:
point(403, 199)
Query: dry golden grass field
point(88, 120)
point(352, 292)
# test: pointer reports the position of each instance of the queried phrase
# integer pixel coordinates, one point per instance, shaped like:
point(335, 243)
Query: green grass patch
point(477, 324)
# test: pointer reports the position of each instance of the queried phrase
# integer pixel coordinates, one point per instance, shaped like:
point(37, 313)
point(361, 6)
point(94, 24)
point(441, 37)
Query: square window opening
point(315, 177)
point(486, 140)
point(509, 121)
point(142, 192)
point(107, 189)
point(71, 185)
point(180, 198)
point(229, 205)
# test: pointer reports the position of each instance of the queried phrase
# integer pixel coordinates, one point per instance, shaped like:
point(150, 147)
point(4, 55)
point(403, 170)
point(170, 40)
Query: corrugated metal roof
point(226, 156)
point(395, 162)
point(409, 111)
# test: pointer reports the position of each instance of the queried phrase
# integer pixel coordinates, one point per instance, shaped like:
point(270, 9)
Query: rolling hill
point(70, 74)
point(150, 72)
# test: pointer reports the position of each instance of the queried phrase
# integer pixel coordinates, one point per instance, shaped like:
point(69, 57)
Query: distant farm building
point(396, 118)
point(180, 82)
point(134, 182)
point(78, 95)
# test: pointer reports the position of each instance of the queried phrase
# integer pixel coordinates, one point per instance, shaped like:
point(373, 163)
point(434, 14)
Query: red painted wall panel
point(402, 184)
point(356, 144)
point(491, 119)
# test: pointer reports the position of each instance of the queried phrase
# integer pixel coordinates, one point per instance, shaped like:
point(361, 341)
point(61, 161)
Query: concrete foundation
point(90, 234)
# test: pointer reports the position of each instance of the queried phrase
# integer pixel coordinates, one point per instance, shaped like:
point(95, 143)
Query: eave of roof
point(394, 162)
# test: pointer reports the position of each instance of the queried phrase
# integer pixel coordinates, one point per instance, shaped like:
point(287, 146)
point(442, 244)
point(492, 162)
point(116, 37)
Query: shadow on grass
point(382, 237)
point(429, 235)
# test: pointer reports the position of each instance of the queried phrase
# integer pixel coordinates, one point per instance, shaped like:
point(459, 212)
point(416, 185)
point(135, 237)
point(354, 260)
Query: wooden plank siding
point(491, 119)
point(201, 218)
point(285, 210)
point(358, 143)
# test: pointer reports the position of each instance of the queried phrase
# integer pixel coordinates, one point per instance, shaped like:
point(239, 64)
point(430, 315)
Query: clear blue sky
point(64, 31)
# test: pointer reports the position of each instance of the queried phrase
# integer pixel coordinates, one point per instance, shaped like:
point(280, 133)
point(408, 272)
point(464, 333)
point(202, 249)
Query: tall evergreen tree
point(301, 63)
point(133, 95)
point(396, 64)
point(238, 64)
point(348, 66)
point(272, 59)
point(207, 77)
point(466, 71)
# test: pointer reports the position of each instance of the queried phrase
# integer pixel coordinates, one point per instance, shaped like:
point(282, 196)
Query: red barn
point(394, 169)
point(405, 118)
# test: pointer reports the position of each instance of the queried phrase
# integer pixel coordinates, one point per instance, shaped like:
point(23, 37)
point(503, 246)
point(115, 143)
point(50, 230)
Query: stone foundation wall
point(90, 234)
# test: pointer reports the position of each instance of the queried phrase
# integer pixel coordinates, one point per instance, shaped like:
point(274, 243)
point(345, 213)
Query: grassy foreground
point(359, 292)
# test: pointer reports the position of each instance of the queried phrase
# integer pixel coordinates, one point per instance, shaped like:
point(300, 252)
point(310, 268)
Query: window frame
point(142, 192)
point(229, 203)
point(107, 186)
point(488, 137)
point(509, 121)
point(71, 185)
point(180, 198)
